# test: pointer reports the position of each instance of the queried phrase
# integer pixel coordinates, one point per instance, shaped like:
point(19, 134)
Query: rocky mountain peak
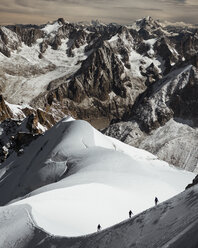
point(61, 20)
point(147, 23)
point(9, 41)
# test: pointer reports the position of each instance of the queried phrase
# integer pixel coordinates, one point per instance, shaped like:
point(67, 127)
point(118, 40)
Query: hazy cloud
point(122, 11)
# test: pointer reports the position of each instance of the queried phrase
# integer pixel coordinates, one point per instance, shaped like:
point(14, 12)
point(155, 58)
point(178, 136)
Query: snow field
point(102, 179)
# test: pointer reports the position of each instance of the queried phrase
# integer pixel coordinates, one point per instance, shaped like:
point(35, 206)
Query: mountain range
point(144, 75)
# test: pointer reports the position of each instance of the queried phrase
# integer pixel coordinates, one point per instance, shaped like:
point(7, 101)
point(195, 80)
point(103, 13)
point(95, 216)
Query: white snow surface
point(151, 43)
point(99, 179)
point(16, 110)
point(51, 28)
point(173, 223)
point(175, 142)
point(16, 226)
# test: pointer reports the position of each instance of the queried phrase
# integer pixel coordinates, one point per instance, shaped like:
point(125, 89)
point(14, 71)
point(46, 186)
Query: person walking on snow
point(99, 227)
point(130, 213)
point(156, 201)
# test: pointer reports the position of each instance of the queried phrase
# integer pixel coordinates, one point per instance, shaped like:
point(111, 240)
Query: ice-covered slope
point(74, 177)
point(171, 224)
point(16, 226)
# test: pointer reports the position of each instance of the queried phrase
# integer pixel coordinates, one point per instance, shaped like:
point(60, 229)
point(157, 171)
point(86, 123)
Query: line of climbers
point(130, 214)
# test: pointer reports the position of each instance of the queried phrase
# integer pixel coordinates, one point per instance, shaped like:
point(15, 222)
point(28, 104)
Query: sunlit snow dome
point(74, 178)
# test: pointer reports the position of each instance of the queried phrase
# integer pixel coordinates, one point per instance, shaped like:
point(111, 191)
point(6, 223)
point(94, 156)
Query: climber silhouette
point(99, 227)
point(156, 201)
point(130, 213)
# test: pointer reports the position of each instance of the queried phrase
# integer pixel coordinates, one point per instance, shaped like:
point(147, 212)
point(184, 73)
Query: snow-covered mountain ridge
point(164, 119)
point(73, 177)
point(171, 224)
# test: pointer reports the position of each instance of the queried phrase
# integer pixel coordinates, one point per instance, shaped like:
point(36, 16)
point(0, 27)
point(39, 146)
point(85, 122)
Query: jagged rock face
point(168, 54)
point(184, 103)
point(99, 88)
point(20, 126)
point(172, 96)
point(186, 42)
point(8, 41)
point(98, 76)
point(5, 112)
point(29, 36)
point(128, 132)
point(15, 135)
point(148, 28)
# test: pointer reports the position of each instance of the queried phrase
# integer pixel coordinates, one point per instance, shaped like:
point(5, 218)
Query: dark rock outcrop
point(194, 182)
point(28, 35)
point(171, 97)
point(43, 46)
point(20, 128)
point(5, 112)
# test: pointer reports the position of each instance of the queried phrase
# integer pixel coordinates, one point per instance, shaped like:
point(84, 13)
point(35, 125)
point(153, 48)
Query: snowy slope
point(176, 143)
point(171, 224)
point(16, 226)
point(75, 178)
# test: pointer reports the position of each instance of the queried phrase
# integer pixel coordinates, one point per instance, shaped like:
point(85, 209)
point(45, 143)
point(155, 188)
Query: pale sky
point(120, 11)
